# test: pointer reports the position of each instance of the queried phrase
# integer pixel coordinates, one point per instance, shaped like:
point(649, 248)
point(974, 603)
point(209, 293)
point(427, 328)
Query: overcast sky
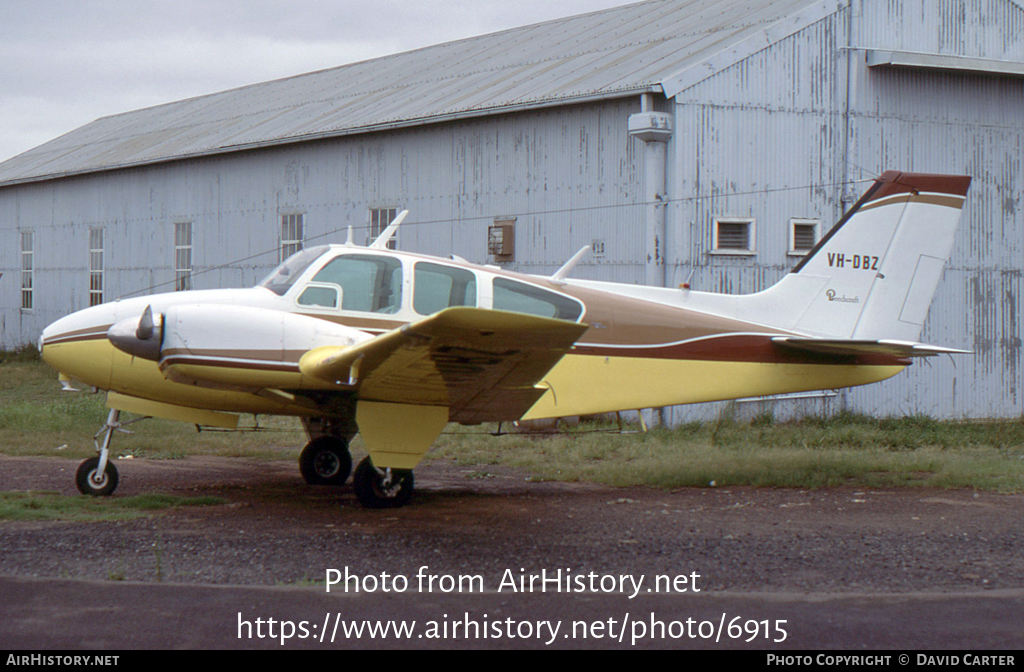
point(64, 63)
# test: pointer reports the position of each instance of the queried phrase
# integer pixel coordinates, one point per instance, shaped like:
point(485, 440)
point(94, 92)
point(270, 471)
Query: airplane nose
point(77, 346)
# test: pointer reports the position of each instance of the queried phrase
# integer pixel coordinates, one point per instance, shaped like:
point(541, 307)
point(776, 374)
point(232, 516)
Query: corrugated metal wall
point(777, 121)
point(972, 124)
point(564, 173)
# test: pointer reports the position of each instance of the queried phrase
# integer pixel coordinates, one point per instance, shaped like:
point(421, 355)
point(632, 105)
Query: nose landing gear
point(97, 476)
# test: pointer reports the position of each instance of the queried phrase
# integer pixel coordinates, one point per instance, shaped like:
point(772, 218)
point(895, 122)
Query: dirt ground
point(275, 531)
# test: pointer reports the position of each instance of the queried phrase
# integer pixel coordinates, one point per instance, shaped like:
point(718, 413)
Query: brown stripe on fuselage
point(627, 321)
point(757, 348)
point(92, 333)
point(367, 324)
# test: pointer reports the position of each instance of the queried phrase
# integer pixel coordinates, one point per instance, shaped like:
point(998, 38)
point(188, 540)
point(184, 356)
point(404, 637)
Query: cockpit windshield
point(285, 275)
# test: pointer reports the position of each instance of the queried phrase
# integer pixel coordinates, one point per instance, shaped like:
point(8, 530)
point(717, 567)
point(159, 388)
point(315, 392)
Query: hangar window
point(519, 297)
point(182, 256)
point(733, 236)
point(28, 270)
point(292, 234)
point(368, 283)
point(379, 220)
point(803, 235)
point(436, 287)
point(95, 267)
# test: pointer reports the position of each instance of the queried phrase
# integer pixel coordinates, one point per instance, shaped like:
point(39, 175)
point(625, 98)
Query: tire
point(88, 484)
point(325, 461)
point(372, 492)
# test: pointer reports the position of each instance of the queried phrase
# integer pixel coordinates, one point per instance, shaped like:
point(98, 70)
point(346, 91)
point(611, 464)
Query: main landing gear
point(326, 461)
point(382, 488)
point(97, 476)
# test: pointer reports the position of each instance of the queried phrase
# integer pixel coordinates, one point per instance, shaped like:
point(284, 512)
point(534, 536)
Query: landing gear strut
point(97, 476)
point(326, 461)
point(382, 488)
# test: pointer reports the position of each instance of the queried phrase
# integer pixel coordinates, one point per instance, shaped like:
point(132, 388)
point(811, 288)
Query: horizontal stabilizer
point(860, 347)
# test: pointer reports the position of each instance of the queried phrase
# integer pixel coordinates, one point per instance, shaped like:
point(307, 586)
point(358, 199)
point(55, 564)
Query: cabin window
point(293, 231)
point(803, 235)
point(379, 220)
point(733, 236)
point(285, 275)
point(182, 256)
point(28, 270)
point(519, 297)
point(95, 267)
point(437, 287)
point(369, 284)
point(323, 296)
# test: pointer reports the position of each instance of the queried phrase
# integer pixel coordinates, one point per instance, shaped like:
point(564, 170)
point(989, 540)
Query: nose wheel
point(382, 488)
point(92, 481)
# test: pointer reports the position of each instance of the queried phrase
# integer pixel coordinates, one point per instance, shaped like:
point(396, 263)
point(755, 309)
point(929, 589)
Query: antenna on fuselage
point(350, 241)
point(559, 277)
point(385, 237)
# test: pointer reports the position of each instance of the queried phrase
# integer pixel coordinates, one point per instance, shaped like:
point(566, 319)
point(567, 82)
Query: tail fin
point(874, 274)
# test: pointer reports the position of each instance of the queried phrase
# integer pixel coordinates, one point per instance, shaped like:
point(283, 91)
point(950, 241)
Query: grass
point(815, 452)
point(54, 506)
point(36, 418)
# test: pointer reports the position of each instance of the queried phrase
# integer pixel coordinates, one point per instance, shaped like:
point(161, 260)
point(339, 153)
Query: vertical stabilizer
point(874, 274)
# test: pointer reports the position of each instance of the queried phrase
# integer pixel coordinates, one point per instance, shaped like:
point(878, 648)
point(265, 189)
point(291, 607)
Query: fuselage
point(223, 350)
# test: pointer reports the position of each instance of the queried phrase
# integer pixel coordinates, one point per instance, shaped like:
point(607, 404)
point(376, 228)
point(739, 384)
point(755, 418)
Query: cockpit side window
point(285, 275)
point(519, 297)
point(436, 287)
point(369, 284)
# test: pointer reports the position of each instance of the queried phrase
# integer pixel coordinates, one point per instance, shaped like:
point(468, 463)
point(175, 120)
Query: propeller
point(140, 337)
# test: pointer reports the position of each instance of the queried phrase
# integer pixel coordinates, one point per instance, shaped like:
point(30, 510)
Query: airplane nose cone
point(76, 346)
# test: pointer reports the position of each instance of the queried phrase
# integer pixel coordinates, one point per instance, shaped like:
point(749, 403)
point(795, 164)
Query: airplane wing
point(481, 364)
point(862, 347)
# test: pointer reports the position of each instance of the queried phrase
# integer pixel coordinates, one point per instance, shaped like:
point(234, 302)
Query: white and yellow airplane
point(397, 345)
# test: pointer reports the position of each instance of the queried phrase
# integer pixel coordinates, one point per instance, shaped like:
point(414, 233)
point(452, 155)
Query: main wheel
point(325, 461)
point(382, 488)
point(90, 482)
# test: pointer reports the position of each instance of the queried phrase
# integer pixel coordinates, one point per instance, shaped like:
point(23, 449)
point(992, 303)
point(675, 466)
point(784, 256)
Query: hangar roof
point(653, 46)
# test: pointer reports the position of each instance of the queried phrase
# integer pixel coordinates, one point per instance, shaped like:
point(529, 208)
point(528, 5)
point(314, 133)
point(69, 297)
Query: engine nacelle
point(230, 347)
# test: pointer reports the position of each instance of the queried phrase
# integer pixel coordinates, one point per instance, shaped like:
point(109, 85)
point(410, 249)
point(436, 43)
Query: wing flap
point(866, 347)
point(482, 364)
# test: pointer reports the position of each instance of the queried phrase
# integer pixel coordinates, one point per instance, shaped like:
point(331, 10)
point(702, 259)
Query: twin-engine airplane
point(397, 345)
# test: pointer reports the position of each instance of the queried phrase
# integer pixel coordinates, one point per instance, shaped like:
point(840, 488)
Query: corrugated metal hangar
point(700, 141)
